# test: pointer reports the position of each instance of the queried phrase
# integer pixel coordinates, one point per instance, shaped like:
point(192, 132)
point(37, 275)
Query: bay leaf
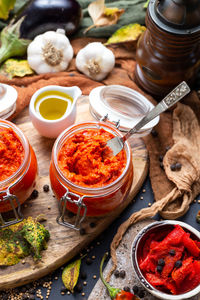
point(70, 274)
point(102, 15)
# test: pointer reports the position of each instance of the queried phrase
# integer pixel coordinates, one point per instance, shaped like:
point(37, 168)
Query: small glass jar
point(18, 187)
point(98, 201)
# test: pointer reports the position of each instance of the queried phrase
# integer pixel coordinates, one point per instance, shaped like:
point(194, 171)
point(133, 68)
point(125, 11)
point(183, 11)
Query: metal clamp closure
point(74, 199)
point(17, 211)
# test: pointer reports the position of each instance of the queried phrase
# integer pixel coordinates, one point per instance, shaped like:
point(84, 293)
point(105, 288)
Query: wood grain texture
point(64, 243)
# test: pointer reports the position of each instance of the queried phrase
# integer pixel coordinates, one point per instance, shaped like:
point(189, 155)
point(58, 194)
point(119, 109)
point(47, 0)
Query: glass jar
point(15, 189)
point(97, 201)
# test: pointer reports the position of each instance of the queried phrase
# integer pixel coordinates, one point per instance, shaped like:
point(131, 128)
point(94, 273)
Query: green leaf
point(70, 274)
point(11, 43)
point(5, 7)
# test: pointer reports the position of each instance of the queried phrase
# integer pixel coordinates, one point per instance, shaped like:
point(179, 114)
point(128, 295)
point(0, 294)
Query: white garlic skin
point(35, 52)
point(97, 55)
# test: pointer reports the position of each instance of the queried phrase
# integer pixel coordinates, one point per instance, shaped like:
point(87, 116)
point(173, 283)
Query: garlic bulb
point(95, 61)
point(50, 52)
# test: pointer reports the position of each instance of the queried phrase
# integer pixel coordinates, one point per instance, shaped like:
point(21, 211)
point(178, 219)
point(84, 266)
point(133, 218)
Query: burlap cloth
point(178, 129)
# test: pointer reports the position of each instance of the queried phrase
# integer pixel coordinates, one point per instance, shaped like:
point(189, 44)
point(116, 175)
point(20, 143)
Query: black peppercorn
point(141, 293)
point(63, 289)
point(46, 188)
point(172, 252)
point(154, 133)
point(92, 224)
point(116, 273)
point(161, 262)
point(88, 261)
point(135, 289)
point(178, 166)
point(159, 269)
point(126, 289)
point(79, 288)
point(161, 165)
point(82, 231)
point(83, 275)
point(173, 167)
point(122, 274)
point(34, 194)
point(178, 263)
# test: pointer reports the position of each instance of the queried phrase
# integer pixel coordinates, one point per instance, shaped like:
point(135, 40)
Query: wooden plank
point(64, 243)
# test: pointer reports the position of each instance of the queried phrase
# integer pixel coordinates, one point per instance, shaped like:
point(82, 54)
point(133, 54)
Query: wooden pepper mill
point(169, 50)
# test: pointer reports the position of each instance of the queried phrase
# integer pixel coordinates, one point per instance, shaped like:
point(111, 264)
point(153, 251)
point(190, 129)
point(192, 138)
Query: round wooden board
point(64, 243)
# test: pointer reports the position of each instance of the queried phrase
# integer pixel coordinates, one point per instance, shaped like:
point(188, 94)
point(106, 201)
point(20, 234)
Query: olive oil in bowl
point(53, 105)
point(53, 108)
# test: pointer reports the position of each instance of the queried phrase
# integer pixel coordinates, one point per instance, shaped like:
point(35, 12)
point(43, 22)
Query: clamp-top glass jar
point(87, 197)
point(18, 169)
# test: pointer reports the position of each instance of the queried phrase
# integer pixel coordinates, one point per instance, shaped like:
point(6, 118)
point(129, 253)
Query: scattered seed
point(68, 293)
point(93, 256)
point(46, 188)
point(144, 191)
point(83, 294)
point(149, 204)
point(84, 282)
point(23, 261)
point(122, 274)
point(94, 276)
point(141, 197)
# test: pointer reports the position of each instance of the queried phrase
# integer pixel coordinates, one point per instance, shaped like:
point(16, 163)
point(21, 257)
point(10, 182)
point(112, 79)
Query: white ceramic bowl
point(52, 128)
point(137, 245)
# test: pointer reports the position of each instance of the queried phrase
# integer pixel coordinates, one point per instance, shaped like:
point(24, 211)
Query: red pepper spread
point(85, 159)
point(11, 153)
point(170, 261)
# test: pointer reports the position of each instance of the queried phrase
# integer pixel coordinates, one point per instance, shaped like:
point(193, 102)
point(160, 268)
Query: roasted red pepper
point(115, 293)
point(172, 264)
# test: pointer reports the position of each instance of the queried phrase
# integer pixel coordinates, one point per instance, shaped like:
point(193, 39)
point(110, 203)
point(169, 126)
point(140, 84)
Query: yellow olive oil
point(53, 108)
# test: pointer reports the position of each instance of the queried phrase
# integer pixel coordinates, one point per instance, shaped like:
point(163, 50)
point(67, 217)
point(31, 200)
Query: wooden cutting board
point(64, 243)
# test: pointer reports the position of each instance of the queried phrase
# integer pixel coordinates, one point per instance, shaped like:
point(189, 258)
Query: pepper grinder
point(168, 52)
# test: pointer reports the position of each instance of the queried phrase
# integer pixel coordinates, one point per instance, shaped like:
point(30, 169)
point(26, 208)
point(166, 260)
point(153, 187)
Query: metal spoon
point(117, 143)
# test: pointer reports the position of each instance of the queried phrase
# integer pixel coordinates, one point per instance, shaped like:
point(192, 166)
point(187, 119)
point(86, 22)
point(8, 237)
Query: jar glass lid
point(122, 106)
point(8, 98)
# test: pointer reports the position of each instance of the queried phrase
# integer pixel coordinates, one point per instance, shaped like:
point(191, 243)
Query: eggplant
point(45, 15)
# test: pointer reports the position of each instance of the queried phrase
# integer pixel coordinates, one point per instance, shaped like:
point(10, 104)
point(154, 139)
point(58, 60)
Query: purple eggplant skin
point(45, 15)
